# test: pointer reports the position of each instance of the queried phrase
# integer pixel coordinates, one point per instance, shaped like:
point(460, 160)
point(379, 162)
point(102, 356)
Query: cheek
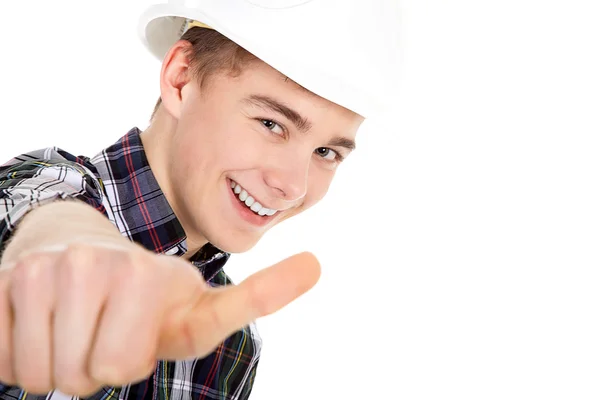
point(205, 154)
point(319, 181)
point(189, 156)
point(243, 147)
point(190, 160)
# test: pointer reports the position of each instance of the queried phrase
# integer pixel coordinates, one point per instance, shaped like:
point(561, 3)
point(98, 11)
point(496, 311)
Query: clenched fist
point(79, 317)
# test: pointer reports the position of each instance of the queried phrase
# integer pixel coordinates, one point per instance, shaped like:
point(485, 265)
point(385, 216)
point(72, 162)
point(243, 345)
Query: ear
point(174, 75)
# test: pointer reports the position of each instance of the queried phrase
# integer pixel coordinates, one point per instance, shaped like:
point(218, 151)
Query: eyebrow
point(301, 123)
point(262, 101)
point(340, 141)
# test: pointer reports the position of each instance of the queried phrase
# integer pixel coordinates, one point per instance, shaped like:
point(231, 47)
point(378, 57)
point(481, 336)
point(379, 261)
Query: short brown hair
point(212, 52)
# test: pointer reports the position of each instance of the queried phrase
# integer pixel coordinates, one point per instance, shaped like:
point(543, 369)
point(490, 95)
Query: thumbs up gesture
point(84, 316)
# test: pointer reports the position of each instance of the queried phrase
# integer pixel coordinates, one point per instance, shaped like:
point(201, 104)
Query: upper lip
point(254, 197)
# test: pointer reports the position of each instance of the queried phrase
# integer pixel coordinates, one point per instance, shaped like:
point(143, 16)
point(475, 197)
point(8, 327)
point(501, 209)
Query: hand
point(84, 316)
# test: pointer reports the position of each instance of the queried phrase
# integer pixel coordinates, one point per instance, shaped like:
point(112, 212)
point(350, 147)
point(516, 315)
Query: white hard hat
point(342, 50)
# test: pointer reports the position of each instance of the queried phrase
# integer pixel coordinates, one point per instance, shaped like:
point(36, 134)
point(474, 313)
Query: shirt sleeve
point(27, 185)
point(249, 384)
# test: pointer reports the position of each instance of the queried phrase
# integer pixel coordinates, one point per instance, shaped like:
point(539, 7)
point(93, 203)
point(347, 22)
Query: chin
point(233, 245)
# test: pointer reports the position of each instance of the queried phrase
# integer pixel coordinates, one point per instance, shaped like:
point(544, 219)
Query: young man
point(111, 277)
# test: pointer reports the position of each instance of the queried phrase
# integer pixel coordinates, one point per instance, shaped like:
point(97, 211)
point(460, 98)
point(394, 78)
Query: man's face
point(251, 145)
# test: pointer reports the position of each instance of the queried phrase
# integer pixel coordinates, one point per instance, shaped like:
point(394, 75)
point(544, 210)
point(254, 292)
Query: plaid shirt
point(119, 183)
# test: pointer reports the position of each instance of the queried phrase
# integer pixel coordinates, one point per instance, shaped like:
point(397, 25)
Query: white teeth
point(250, 202)
point(256, 207)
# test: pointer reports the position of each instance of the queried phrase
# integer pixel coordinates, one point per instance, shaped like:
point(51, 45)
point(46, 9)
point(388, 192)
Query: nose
point(288, 178)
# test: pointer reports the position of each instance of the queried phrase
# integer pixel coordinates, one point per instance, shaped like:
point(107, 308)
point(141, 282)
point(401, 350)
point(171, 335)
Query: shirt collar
point(140, 208)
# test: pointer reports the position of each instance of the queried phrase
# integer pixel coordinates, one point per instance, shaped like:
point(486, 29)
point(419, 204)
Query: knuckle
point(215, 318)
point(77, 254)
point(196, 345)
point(133, 266)
point(202, 345)
point(74, 267)
point(80, 262)
point(28, 272)
point(32, 258)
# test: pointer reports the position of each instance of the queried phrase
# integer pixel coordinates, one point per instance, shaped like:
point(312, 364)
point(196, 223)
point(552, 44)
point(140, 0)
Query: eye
point(272, 126)
point(328, 154)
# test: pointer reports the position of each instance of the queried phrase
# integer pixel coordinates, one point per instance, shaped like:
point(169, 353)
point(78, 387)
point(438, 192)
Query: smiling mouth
point(246, 199)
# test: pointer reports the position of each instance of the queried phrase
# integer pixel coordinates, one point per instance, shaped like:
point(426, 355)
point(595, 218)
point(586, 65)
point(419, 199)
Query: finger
point(32, 296)
point(81, 286)
point(6, 326)
point(125, 345)
point(217, 313)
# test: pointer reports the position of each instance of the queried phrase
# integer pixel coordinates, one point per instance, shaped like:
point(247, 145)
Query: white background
point(460, 244)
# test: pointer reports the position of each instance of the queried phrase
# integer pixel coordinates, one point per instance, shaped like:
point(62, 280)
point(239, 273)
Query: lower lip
point(245, 213)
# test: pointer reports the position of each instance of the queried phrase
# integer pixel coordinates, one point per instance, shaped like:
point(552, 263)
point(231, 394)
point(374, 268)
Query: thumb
point(273, 288)
point(216, 313)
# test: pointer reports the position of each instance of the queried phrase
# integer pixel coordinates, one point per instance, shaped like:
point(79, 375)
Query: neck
point(156, 140)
